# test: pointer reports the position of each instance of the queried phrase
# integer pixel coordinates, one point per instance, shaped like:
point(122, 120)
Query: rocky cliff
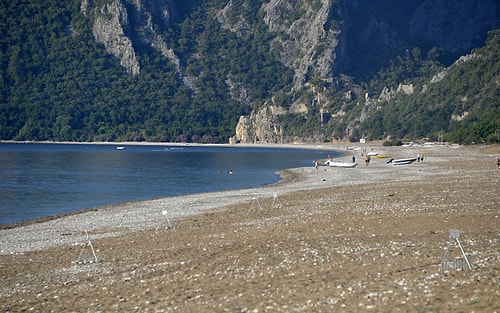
point(112, 29)
point(313, 36)
point(308, 43)
point(454, 25)
point(260, 127)
point(334, 35)
point(113, 26)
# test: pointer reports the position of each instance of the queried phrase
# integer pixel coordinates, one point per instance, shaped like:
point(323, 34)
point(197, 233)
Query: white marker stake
point(165, 212)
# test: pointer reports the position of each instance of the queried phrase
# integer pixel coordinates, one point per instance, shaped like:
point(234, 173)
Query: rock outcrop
point(240, 26)
point(111, 28)
point(310, 39)
point(260, 127)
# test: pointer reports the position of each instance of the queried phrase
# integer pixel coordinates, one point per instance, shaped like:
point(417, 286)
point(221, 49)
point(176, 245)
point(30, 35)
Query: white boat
point(340, 164)
point(402, 161)
point(120, 148)
point(372, 153)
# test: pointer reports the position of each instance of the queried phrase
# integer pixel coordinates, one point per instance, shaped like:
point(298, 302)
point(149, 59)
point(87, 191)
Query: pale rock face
point(244, 130)
point(298, 107)
point(261, 126)
point(311, 40)
point(241, 27)
point(109, 30)
point(112, 26)
point(406, 89)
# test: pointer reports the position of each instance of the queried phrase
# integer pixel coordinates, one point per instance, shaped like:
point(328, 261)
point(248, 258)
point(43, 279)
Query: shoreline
point(369, 239)
point(285, 176)
point(67, 228)
point(43, 219)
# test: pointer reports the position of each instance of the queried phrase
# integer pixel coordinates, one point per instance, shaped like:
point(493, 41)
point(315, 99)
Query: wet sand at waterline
point(363, 239)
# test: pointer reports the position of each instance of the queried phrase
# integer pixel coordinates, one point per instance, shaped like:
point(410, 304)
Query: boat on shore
point(402, 161)
point(341, 164)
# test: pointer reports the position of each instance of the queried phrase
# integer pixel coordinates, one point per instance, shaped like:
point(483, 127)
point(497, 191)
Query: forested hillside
point(58, 83)
point(192, 68)
point(468, 91)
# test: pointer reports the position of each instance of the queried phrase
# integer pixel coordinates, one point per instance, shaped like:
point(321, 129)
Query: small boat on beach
point(372, 153)
point(402, 161)
point(381, 156)
point(341, 164)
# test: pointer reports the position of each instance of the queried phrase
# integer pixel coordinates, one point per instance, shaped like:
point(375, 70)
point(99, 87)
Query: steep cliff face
point(316, 38)
point(308, 43)
point(377, 31)
point(114, 22)
point(328, 38)
point(310, 40)
point(111, 27)
point(454, 25)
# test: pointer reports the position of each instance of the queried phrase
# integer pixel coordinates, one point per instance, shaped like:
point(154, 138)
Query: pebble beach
point(363, 239)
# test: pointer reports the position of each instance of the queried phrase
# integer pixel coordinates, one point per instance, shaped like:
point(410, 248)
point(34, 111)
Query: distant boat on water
point(120, 148)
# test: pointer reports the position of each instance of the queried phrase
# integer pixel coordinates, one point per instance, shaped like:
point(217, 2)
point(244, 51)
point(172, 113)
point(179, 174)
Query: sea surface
point(39, 180)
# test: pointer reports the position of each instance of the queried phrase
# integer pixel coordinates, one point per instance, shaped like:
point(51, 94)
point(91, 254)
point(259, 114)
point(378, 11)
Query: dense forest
point(58, 83)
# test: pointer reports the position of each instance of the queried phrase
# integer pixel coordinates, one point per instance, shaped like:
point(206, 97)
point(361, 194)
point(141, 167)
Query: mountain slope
point(461, 100)
point(172, 70)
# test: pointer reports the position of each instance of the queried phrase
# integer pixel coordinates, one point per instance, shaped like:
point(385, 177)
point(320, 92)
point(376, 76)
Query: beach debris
point(88, 243)
point(169, 225)
point(459, 262)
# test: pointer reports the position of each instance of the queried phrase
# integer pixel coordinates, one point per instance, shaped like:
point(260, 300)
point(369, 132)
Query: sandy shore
point(364, 239)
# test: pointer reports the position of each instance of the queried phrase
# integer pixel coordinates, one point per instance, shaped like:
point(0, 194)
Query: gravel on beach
point(369, 238)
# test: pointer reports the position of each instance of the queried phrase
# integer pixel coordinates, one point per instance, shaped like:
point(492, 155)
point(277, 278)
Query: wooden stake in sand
point(256, 205)
point(165, 213)
point(457, 263)
point(88, 243)
point(276, 201)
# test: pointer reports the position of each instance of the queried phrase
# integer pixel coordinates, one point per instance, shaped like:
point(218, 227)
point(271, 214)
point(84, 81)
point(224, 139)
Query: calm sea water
point(38, 180)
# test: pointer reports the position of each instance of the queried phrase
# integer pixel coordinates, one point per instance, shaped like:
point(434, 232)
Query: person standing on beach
point(367, 159)
point(316, 163)
point(497, 162)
